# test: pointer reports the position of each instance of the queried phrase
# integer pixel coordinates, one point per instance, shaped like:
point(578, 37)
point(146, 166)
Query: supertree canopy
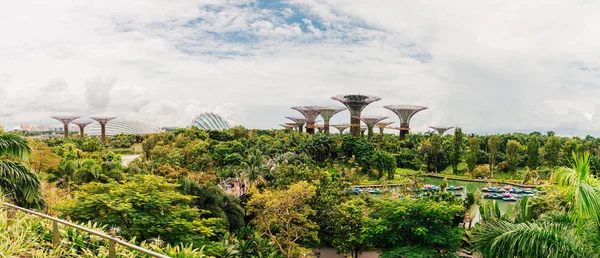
point(288, 126)
point(341, 128)
point(65, 120)
point(355, 104)
point(327, 113)
point(370, 121)
point(82, 126)
point(103, 121)
point(441, 130)
point(310, 113)
point(383, 125)
point(299, 122)
point(405, 113)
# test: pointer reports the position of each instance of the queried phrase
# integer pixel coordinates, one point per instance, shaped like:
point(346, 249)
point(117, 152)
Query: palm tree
point(17, 181)
point(581, 188)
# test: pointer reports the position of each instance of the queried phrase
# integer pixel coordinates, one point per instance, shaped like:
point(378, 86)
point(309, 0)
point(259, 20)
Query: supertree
point(82, 126)
point(363, 129)
point(288, 127)
point(320, 128)
point(299, 122)
point(65, 120)
point(327, 113)
point(355, 104)
point(103, 121)
point(383, 125)
point(405, 113)
point(370, 121)
point(310, 113)
point(441, 130)
point(341, 128)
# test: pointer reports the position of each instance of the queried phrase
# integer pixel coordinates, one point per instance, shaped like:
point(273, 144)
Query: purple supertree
point(65, 120)
point(82, 126)
point(370, 121)
point(327, 113)
point(383, 125)
point(405, 113)
point(355, 104)
point(310, 113)
point(103, 121)
point(341, 128)
point(299, 122)
point(441, 130)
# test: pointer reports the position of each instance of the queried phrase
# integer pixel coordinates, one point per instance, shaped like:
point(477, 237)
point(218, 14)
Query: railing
point(111, 240)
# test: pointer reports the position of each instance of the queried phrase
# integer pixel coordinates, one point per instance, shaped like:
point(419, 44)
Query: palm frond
point(506, 239)
point(14, 146)
point(19, 182)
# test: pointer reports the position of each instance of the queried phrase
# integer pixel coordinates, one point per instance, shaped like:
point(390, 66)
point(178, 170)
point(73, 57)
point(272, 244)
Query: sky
point(486, 66)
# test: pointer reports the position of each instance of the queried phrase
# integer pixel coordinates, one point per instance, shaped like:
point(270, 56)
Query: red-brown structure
point(405, 113)
point(355, 104)
point(441, 130)
point(383, 125)
point(103, 121)
point(299, 122)
point(65, 120)
point(310, 113)
point(327, 113)
point(341, 128)
point(370, 121)
point(82, 126)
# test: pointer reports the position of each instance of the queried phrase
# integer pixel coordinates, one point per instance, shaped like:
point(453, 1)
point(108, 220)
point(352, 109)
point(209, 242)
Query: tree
point(552, 151)
point(42, 158)
point(512, 155)
point(435, 152)
point(533, 152)
point(283, 216)
point(456, 149)
point(144, 207)
point(493, 143)
point(351, 224)
point(17, 181)
point(472, 152)
point(384, 163)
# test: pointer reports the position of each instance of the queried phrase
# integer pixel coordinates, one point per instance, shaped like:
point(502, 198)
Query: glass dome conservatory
point(210, 121)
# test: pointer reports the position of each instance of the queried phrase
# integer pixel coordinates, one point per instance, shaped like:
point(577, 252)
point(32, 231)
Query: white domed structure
point(124, 126)
point(210, 121)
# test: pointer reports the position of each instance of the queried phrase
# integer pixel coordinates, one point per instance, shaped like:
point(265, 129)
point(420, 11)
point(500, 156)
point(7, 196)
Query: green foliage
point(319, 146)
point(533, 154)
point(512, 155)
point(552, 151)
point(144, 207)
point(471, 156)
point(17, 181)
point(383, 162)
point(455, 155)
point(421, 222)
point(283, 216)
point(493, 148)
point(350, 223)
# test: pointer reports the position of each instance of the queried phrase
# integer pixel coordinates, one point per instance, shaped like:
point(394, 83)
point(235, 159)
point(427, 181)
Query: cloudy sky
point(488, 66)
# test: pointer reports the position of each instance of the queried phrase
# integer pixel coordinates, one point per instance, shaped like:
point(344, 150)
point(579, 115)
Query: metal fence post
point(112, 253)
point(55, 234)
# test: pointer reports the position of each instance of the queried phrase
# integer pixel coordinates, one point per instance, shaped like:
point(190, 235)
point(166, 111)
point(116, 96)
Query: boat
point(506, 194)
point(458, 194)
point(374, 191)
point(511, 199)
point(430, 187)
point(454, 188)
point(357, 190)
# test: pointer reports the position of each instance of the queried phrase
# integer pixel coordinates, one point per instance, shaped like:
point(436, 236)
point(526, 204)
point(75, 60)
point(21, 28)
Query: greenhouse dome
point(210, 121)
point(124, 126)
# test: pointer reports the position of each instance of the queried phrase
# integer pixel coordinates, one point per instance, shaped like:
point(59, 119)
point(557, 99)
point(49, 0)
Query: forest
point(279, 193)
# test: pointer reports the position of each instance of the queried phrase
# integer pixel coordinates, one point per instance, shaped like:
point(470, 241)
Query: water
point(505, 207)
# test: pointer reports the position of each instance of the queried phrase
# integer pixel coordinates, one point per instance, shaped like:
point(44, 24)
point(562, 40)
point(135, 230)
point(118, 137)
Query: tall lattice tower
point(65, 120)
point(441, 130)
point(341, 128)
point(405, 113)
point(82, 126)
point(383, 125)
point(355, 104)
point(299, 122)
point(327, 113)
point(103, 121)
point(310, 113)
point(370, 121)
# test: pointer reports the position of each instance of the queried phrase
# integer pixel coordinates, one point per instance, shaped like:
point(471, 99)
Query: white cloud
point(485, 66)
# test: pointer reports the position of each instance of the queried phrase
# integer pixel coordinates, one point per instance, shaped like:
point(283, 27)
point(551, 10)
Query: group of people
point(235, 186)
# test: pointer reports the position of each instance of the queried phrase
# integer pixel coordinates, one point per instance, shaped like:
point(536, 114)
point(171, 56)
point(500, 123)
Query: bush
point(481, 171)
